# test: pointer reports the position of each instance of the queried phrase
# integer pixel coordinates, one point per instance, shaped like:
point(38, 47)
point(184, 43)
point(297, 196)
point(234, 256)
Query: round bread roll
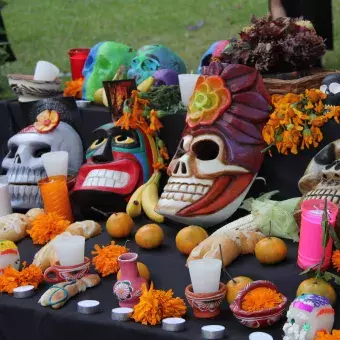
point(13, 227)
point(33, 214)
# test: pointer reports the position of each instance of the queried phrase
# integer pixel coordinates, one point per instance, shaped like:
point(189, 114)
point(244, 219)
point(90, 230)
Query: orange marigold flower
point(210, 99)
point(155, 123)
point(292, 98)
point(315, 95)
point(323, 335)
point(261, 298)
point(276, 98)
point(47, 121)
point(74, 88)
point(307, 139)
point(317, 135)
point(319, 107)
point(106, 259)
point(336, 260)
point(47, 226)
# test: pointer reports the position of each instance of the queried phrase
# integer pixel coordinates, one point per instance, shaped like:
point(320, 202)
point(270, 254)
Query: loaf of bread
point(13, 227)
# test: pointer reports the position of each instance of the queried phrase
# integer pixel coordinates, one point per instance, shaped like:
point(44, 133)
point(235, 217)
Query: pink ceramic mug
point(58, 273)
point(310, 244)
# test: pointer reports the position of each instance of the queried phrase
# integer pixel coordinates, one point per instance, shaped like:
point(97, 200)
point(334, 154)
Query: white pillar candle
point(5, 199)
point(205, 275)
point(55, 163)
point(187, 84)
point(45, 71)
point(70, 250)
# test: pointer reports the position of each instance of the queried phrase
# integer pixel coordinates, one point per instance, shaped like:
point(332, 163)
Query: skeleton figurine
point(307, 315)
point(24, 165)
point(220, 153)
point(331, 86)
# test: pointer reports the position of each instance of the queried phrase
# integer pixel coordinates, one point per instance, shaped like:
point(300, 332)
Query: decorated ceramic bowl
point(29, 90)
point(9, 255)
point(206, 305)
point(258, 319)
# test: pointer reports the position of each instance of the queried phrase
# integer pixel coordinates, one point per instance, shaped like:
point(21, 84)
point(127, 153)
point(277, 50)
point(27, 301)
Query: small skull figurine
point(331, 86)
point(220, 153)
point(322, 176)
point(151, 58)
point(307, 315)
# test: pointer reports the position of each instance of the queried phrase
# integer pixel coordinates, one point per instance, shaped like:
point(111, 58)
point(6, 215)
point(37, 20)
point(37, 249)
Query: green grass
point(46, 30)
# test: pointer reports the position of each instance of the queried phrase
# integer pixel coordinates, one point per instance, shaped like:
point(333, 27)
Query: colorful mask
point(307, 315)
point(321, 178)
point(213, 52)
point(151, 58)
point(331, 86)
point(220, 153)
point(9, 255)
point(24, 165)
point(102, 64)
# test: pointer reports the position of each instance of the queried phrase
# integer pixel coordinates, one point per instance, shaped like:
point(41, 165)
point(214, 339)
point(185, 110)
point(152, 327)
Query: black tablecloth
point(26, 319)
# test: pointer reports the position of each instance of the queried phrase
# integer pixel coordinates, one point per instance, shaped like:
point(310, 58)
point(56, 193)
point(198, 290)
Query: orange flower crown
point(296, 120)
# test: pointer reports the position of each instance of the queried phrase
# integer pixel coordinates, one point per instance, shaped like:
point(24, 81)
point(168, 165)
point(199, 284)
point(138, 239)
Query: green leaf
point(308, 270)
point(327, 276)
point(335, 238)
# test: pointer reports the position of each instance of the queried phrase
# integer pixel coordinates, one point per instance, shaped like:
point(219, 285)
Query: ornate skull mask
point(307, 315)
point(102, 64)
point(322, 176)
point(331, 86)
point(24, 165)
point(151, 58)
point(220, 152)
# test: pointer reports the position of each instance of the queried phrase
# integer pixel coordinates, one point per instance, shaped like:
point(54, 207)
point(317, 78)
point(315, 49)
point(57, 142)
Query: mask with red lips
point(219, 155)
point(118, 162)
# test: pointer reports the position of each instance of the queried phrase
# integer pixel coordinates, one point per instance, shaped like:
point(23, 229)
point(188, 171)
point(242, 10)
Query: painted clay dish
point(206, 305)
point(28, 89)
point(262, 318)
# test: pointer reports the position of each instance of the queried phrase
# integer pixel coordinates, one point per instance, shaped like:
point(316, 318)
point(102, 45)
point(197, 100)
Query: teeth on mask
point(95, 182)
point(106, 178)
point(199, 189)
point(110, 183)
point(178, 197)
point(101, 182)
point(175, 187)
point(183, 188)
point(170, 195)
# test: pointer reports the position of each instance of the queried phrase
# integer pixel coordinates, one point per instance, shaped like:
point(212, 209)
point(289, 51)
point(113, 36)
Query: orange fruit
point(235, 286)
point(149, 236)
point(189, 237)
point(142, 269)
point(318, 287)
point(119, 225)
point(271, 250)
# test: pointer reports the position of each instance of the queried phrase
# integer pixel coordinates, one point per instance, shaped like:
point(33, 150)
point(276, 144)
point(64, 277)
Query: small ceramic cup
point(58, 273)
point(206, 305)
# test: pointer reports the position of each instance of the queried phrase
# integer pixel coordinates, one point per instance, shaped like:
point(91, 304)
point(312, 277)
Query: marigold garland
point(336, 260)
point(47, 226)
point(106, 259)
point(296, 121)
point(155, 305)
point(322, 335)
point(74, 88)
point(12, 278)
point(261, 298)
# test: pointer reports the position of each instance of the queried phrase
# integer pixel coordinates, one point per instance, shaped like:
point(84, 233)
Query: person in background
point(318, 12)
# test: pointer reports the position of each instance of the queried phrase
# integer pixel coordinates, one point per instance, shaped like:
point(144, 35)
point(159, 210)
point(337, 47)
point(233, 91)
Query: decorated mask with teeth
point(331, 86)
point(322, 177)
point(307, 315)
point(220, 153)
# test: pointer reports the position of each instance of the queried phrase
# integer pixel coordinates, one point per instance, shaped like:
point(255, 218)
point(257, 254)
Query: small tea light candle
point(212, 332)
point(88, 306)
point(260, 336)
point(173, 324)
point(23, 292)
point(121, 314)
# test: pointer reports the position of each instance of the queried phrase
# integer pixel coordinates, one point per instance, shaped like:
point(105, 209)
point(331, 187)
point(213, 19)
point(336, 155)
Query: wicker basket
point(312, 81)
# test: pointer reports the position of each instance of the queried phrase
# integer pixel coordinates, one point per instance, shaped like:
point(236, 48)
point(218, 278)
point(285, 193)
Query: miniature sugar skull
point(151, 58)
point(220, 153)
point(322, 176)
point(9, 255)
point(331, 86)
point(24, 165)
point(102, 64)
point(214, 51)
point(307, 315)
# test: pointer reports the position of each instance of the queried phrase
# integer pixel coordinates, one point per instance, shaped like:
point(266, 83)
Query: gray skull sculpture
point(24, 164)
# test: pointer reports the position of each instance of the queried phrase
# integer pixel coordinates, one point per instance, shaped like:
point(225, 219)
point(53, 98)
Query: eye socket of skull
point(13, 148)
point(205, 150)
point(42, 149)
point(150, 64)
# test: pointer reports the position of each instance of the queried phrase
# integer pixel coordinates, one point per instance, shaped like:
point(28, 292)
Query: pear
point(98, 96)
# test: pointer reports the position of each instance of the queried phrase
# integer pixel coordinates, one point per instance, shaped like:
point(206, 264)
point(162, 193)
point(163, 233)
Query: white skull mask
point(24, 165)
point(199, 163)
point(307, 315)
point(322, 176)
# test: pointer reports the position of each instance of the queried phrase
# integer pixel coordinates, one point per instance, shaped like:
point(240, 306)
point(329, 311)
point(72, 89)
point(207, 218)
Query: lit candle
point(5, 199)
point(55, 163)
point(212, 332)
point(205, 275)
point(187, 84)
point(70, 250)
point(260, 336)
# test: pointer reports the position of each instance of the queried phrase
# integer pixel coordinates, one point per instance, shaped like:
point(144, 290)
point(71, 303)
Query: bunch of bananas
point(146, 198)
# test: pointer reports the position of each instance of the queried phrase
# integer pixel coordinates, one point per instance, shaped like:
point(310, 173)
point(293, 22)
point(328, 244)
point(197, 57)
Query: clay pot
point(257, 319)
point(129, 288)
point(206, 305)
